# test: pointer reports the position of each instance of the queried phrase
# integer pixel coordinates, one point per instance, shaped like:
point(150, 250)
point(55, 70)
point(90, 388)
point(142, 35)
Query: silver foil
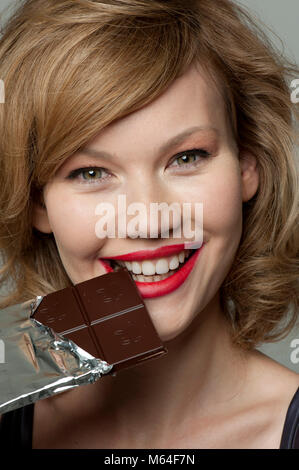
point(36, 362)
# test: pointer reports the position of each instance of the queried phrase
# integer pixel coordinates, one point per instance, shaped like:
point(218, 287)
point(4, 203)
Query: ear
point(249, 174)
point(40, 218)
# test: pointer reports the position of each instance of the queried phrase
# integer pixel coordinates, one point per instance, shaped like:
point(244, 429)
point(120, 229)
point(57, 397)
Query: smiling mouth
point(174, 271)
point(147, 272)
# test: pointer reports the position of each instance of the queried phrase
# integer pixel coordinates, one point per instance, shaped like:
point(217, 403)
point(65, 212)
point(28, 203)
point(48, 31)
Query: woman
point(95, 91)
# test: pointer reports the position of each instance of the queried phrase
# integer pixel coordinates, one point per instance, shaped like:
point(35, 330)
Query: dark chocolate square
point(105, 316)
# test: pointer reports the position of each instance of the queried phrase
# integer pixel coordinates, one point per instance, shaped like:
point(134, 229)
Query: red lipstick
point(150, 254)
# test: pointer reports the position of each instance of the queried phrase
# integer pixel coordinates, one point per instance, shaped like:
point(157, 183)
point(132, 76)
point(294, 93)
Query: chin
point(168, 332)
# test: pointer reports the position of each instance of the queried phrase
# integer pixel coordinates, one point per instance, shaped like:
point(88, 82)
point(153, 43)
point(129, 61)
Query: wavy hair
point(72, 67)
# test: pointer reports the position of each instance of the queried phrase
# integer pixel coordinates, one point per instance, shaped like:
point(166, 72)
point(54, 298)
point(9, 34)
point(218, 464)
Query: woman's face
point(139, 169)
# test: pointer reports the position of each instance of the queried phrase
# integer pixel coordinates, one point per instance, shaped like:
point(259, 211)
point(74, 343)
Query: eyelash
point(75, 173)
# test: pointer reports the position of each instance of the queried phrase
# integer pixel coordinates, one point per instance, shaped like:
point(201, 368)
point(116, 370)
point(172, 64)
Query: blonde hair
point(71, 67)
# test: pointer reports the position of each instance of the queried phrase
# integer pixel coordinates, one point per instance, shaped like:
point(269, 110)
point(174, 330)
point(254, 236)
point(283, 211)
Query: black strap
point(16, 428)
point(290, 434)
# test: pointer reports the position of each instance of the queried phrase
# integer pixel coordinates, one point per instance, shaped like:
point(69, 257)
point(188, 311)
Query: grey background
point(282, 18)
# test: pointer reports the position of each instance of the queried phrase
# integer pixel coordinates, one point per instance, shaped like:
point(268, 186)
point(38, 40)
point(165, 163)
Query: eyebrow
point(170, 143)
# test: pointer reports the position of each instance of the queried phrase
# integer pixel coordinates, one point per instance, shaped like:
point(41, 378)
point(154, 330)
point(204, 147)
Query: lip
point(149, 254)
point(166, 286)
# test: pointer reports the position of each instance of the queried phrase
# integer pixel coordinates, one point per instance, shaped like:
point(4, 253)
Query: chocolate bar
point(106, 317)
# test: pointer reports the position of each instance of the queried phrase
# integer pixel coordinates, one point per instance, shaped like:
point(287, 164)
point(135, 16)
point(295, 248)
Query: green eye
point(91, 174)
point(186, 159)
point(189, 157)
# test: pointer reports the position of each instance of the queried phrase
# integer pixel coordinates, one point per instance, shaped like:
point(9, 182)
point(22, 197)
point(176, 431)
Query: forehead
point(191, 100)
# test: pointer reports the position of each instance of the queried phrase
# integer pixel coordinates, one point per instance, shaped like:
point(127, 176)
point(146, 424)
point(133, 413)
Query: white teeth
point(136, 267)
point(156, 266)
point(162, 266)
point(128, 265)
point(148, 268)
point(174, 262)
point(158, 277)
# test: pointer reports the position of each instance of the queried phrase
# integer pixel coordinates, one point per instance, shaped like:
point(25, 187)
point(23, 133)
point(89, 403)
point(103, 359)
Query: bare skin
point(205, 393)
point(149, 410)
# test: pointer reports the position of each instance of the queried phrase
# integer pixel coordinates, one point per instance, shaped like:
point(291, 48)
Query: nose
point(152, 211)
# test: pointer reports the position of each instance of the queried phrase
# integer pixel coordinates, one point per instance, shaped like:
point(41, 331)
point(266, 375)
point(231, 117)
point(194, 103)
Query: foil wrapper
point(36, 362)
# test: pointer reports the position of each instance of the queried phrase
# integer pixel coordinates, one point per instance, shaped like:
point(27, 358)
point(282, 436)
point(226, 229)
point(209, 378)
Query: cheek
point(73, 224)
point(220, 192)
point(223, 206)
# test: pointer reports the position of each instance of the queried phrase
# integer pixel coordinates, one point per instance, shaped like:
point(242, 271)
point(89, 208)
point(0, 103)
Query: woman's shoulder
point(273, 381)
point(269, 371)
